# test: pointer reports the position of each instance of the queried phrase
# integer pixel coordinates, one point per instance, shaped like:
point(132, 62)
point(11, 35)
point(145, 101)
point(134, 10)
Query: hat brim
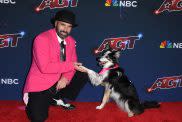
point(53, 20)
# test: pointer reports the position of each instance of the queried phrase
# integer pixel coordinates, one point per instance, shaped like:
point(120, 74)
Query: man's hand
point(81, 68)
point(61, 83)
point(77, 64)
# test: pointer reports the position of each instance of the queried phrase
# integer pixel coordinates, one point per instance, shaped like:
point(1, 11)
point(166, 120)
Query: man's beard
point(63, 36)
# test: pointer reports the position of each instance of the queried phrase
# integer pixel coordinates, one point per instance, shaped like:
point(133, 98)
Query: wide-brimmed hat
point(65, 16)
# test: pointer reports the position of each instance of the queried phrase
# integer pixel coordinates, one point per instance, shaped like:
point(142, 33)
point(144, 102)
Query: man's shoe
point(63, 104)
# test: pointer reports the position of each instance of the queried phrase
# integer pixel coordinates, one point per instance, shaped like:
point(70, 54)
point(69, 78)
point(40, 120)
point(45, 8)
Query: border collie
point(117, 85)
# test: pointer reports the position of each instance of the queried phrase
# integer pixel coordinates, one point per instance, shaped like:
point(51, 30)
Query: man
point(53, 66)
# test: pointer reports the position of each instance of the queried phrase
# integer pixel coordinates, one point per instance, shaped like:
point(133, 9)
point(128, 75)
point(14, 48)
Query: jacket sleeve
point(69, 75)
point(41, 55)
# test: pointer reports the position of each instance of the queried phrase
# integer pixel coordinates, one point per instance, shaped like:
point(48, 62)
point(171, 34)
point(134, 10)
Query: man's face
point(63, 29)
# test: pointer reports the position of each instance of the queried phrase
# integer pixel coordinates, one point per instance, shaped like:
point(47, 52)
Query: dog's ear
point(117, 54)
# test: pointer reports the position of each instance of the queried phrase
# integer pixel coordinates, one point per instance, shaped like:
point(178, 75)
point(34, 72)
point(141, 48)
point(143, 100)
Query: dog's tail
point(150, 104)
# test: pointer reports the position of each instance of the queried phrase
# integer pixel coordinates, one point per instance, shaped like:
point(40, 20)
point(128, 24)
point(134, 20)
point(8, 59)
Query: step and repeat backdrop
point(148, 33)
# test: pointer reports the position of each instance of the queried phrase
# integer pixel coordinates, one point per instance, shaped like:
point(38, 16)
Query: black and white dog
point(117, 85)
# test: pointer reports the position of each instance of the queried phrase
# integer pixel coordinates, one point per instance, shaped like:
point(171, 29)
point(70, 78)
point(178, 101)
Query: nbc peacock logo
point(169, 44)
point(121, 3)
point(111, 2)
point(166, 44)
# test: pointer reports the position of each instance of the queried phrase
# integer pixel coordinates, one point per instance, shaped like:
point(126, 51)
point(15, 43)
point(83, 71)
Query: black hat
point(65, 16)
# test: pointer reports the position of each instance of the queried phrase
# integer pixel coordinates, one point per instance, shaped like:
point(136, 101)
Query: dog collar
point(106, 69)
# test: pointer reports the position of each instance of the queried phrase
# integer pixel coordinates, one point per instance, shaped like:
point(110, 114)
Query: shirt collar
point(60, 39)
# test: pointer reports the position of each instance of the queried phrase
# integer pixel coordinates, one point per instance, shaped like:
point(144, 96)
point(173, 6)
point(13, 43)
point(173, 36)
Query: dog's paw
point(99, 107)
point(130, 114)
point(84, 68)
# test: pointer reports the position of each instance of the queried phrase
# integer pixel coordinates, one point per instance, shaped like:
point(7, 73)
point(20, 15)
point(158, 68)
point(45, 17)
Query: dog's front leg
point(95, 78)
point(105, 99)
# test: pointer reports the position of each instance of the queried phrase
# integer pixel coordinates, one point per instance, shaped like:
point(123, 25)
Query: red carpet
point(13, 111)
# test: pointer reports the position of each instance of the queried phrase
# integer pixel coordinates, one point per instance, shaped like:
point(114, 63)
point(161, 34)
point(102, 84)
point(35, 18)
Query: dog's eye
point(107, 56)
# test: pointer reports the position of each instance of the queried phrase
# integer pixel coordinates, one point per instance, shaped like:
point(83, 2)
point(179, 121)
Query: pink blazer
point(46, 68)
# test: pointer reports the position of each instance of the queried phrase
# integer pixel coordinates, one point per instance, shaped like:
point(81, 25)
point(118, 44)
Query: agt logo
point(166, 83)
point(121, 3)
point(9, 81)
point(52, 4)
point(169, 44)
point(170, 6)
point(10, 40)
point(7, 2)
point(120, 43)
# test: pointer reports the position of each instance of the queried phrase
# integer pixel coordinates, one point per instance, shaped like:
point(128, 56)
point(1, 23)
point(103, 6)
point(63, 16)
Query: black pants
point(39, 102)
point(72, 90)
